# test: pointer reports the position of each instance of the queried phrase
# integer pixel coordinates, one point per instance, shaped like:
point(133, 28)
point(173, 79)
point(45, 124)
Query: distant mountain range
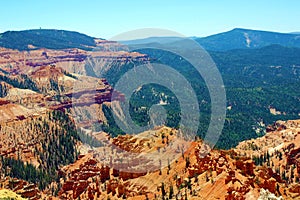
point(61, 39)
point(234, 39)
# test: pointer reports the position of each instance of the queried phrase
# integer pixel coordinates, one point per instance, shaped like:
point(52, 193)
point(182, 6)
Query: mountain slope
point(256, 81)
point(247, 39)
point(61, 39)
point(268, 65)
point(235, 39)
point(45, 38)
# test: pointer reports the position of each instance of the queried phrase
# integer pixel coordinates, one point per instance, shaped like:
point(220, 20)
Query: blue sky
point(108, 18)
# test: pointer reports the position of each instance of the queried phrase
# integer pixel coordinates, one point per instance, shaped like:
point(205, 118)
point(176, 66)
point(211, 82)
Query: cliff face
point(39, 79)
point(71, 60)
point(54, 90)
point(41, 106)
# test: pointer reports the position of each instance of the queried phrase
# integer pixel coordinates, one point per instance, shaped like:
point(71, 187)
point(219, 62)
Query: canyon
point(52, 120)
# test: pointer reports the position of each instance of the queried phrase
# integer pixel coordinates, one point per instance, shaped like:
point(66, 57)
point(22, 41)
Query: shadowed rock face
point(293, 157)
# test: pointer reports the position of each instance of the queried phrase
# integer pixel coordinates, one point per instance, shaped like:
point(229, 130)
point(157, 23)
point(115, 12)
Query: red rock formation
point(115, 186)
point(80, 178)
point(79, 187)
point(26, 190)
point(116, 173)
point(111, 186)
point(30, 193)
point(270, 185)
point(295, 188)
point(90, 193)
point(24, 61)
point(130, 175)
point(293, 157)
point(104, 174)
point(230, 177)
point(216, 162)
point(3, 102)
point(68, 185)
point(246, 167)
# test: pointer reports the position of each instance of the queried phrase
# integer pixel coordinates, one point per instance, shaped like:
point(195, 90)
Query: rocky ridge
point(71, 60)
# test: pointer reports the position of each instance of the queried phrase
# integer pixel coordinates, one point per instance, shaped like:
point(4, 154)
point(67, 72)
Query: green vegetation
point(152, 94)
point(69, 75)
point(255, 81)
point(58, 148)
point(110, 127)
point(46, 38)
point(18, 169)
point(3, 90)
point(54, 86)
point(22, 82)
point(89, 139)
point(235, 39)
point(116, 70)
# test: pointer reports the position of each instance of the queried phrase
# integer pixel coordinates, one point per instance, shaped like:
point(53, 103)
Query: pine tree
point(163, 191)
point(171, 191)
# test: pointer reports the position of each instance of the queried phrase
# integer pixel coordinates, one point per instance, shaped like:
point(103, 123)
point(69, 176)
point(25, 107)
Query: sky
point(105, 19)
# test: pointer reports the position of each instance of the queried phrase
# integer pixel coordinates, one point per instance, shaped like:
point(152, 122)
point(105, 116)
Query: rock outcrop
point(87, 177)
point(23, 188)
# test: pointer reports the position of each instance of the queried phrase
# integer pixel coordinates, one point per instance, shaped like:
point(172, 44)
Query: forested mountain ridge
point(45, 38)
point(237, 38)
point(248, 39)
point(257, 81)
